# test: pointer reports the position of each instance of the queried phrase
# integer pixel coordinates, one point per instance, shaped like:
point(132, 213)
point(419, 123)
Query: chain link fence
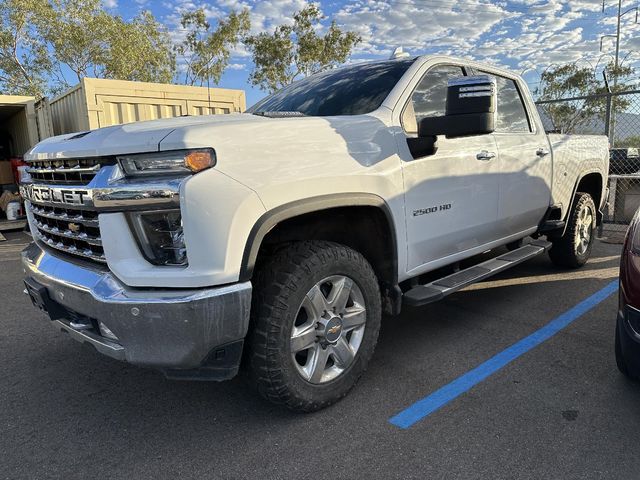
point(616, 115)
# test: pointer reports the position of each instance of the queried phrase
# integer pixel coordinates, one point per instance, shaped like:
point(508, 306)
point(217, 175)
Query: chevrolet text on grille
point(64, 196)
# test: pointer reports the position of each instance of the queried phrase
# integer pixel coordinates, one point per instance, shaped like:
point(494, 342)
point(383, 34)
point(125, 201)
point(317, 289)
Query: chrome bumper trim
point(163, 328)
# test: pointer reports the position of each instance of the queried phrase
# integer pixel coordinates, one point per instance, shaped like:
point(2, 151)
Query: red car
point(628, 324)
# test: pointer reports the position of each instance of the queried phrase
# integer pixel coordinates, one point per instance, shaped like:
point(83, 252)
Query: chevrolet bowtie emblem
point(74, 227)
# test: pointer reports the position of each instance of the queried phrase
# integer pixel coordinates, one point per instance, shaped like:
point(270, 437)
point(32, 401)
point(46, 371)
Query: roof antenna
point(399, 53)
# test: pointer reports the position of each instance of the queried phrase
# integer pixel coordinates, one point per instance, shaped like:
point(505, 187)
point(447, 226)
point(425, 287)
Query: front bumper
point(190, 334)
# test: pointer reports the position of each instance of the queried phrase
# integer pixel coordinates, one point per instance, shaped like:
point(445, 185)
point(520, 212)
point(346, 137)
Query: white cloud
point(419, 26)
point(237, 66)
point(521, 34)
point(110, 3)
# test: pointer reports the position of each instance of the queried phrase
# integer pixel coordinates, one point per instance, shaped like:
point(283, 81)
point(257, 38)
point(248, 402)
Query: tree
point(75, 29)
point(207, 52)
point(140, 50)
point(294, 50)
point(90, 41)
point(39, 38)
point(569, 81)
point(24, 59)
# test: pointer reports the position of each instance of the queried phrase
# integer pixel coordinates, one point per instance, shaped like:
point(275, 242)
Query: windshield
point(351, 90)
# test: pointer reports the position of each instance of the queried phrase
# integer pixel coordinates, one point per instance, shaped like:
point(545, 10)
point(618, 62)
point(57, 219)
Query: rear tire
point(315, 321)
point(573, 249)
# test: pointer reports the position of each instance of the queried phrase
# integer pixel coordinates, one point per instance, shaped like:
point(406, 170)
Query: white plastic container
point(23, 175)
point(14, 210)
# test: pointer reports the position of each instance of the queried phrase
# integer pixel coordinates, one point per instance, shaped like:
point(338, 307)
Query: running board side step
point(434, 291)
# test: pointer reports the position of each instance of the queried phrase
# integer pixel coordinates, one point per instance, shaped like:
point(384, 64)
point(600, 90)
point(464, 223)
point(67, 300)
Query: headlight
point(180, 162)
point(160, 236)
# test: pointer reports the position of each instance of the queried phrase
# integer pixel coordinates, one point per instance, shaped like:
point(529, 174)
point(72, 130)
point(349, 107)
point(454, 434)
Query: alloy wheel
point(584, 230)
point(328, 329)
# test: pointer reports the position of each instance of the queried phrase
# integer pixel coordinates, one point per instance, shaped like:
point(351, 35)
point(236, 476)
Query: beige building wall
point(69, 111)
point(96, 103)
point(43, 119)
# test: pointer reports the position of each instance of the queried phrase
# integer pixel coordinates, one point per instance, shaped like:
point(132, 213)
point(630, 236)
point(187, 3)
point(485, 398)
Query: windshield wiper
point(279, 114)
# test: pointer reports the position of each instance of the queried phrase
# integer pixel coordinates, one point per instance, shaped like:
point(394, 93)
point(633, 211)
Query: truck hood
point(129, 138)
point(252, 149)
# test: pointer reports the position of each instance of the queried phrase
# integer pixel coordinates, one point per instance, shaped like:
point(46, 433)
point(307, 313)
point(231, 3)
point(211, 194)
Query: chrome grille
point(69, 230)
point(66, 171)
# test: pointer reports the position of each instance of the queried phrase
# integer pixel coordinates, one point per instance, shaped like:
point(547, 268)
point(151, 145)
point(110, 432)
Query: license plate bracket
point(40, 298)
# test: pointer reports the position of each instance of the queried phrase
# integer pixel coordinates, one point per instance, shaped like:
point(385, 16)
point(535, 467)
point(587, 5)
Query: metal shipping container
point(96, 103)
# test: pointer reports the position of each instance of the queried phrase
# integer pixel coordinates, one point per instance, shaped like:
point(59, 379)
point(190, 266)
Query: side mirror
point(471, 108)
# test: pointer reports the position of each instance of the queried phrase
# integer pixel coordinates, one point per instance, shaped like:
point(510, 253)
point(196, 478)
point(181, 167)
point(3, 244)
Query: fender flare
point(599, 214)
point(309, 205)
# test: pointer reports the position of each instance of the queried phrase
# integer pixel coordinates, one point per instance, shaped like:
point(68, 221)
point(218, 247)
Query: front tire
point(315, 322)
point(573, 249)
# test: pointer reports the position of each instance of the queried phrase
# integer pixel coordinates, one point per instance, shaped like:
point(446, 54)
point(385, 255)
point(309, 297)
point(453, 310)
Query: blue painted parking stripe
point(449, 392)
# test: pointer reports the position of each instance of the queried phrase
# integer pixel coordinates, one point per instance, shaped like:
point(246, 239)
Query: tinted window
point(512, 116)
point(430, 96)
point(352, 90)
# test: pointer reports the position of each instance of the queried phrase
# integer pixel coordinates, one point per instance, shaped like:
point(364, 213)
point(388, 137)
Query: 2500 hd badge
point(424, 211)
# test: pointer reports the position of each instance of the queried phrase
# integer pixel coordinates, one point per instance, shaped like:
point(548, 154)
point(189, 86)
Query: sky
point(523, 35)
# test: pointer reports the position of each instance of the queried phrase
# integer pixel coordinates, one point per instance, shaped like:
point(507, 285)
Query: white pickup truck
point(276, 238)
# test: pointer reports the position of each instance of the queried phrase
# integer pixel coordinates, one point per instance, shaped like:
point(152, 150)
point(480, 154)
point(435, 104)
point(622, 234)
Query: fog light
point(160, 236)
point(105, 332)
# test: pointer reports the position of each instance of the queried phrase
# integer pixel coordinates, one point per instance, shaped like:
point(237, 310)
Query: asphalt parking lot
point(560, 410)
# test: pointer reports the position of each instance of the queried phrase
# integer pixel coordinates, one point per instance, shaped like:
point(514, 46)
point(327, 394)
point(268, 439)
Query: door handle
point(485, 156)
point(542, 152)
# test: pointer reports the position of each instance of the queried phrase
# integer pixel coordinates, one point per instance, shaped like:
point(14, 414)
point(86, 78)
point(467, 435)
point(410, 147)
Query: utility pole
point(618, 25)
point(610, 110)
point(617, 60)
point(616, 64)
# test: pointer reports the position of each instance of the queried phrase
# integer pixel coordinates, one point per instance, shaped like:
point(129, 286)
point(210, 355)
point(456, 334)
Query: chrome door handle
point(542, 152)
point(485, 156)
